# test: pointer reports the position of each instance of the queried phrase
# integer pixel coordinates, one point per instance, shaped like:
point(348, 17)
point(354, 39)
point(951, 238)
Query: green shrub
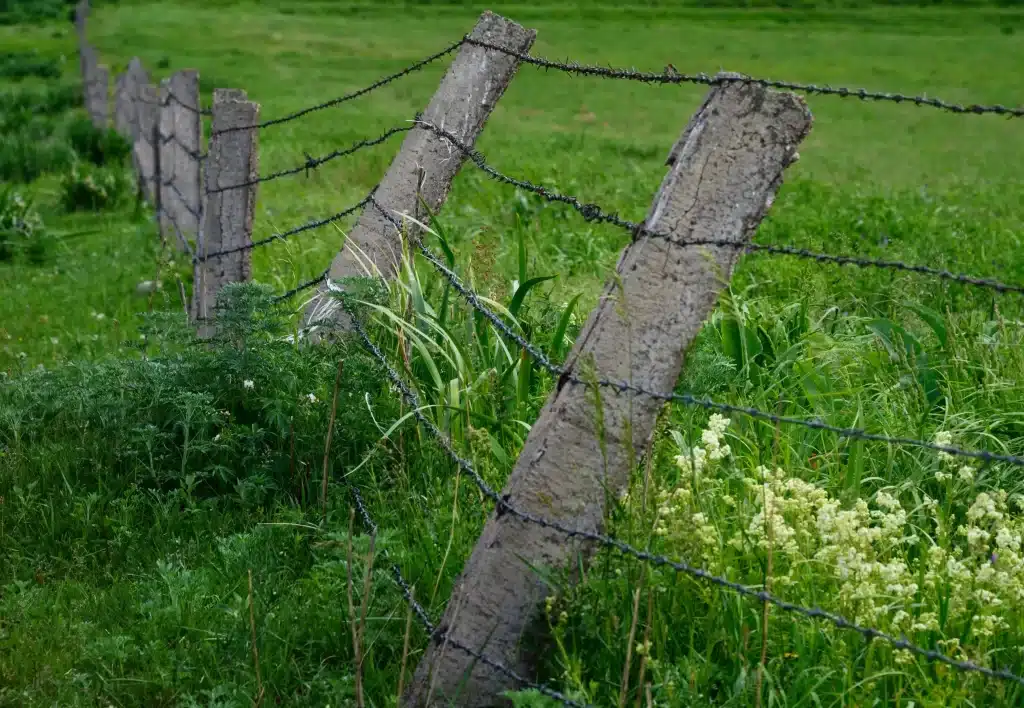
point(226, 416)
point(25, 156)
point(20, 65)
point(88, 188)
point(37, 106)
point(14, 12)
point(21, 229)
point(100, 147)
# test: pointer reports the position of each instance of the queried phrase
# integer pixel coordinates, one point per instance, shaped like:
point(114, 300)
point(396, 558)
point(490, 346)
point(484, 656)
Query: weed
point(21, 228)
point(89, 188)
point(98, 146)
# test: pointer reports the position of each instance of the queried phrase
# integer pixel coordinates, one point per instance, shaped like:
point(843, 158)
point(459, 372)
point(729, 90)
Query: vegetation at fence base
point(183, 469)
point(89, 188)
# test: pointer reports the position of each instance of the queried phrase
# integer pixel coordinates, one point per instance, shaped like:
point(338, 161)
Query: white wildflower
point(248, 383)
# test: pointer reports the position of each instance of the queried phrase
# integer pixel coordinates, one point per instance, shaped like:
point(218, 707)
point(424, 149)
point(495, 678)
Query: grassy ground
point(138, 493)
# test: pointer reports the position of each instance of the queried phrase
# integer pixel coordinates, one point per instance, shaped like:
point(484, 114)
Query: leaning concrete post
point(179, 132)
point(723, 173)
point(144, 149)
point(467, 95)
point(227, 220)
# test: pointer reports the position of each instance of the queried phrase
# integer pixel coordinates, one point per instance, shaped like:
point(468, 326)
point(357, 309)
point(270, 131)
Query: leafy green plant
point(24, 158)
point(20, 65)
point(85, 187)
point(98, 146)
point(14, 12)
point(21, 228)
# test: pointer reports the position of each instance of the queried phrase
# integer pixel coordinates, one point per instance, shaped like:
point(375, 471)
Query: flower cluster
point(952, 574)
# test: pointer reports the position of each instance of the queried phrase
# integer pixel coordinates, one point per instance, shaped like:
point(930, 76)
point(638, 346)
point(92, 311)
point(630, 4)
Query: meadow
point(143, 475)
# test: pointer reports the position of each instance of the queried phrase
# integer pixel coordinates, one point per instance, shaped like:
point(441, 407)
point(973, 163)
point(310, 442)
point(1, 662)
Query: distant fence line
point(633, 343)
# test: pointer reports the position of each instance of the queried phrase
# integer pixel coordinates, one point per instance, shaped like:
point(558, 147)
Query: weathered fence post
point(144, 150)
point(179, 145)
point(232, 159)
point(126, 95)
point(127, 108)
point(98, 92)
point(723, 173)
point(468, 92)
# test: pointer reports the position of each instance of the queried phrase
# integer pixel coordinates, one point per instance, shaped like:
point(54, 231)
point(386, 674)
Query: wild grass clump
point(98, 146)
point(21, 228)
point(13, 12)
point(20, 65)
point(88, 188)
point(33, 139)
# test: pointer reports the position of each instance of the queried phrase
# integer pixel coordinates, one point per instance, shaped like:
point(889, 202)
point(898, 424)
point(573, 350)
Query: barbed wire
point(670, 76)
point(170, 219)
point(314, 162)
point(349, 96)
point(594, 213)
point(173, 138)
point(172, 185)
point(503, 505)
point(564, 374)
point(284, 235)
point(311, 283)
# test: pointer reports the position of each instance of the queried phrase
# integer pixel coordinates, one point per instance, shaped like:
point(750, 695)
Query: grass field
point(136, 492)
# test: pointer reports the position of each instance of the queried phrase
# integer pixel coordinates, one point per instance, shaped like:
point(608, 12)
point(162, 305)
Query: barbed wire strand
point(502, 505)
point(172, 185)
point(349, 96)
point(594, 213)
point(313, 282)
point(284, 235)
point(687, 399)
point(177, 230)
point(312, 163)
point(173, 138)
point(673, 77)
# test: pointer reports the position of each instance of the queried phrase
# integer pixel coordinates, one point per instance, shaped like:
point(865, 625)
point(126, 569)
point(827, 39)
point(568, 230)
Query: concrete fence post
point(232, 159)
point(145, 147)
point(179, 130)
point(98, 96)
point(723, 174)
point(471, 87)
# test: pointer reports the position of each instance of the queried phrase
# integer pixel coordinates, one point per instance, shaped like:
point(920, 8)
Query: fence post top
point(491, 27)
point(222, 95)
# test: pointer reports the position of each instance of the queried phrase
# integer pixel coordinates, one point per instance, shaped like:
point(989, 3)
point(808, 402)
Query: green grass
point(141, 479)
